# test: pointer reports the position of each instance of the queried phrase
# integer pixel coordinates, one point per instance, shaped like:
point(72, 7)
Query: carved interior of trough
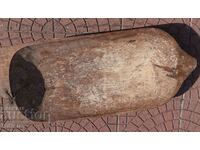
point(27, 86)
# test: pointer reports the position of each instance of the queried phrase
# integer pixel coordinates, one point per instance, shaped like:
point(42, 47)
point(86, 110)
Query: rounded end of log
point(27, 87)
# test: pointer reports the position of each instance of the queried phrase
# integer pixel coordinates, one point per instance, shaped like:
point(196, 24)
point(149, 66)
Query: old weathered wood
point(94, 74)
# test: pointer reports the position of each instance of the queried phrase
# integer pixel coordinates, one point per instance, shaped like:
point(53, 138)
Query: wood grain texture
point(95, 74)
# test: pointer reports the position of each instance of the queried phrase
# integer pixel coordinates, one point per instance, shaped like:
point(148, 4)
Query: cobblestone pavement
point(181, 113)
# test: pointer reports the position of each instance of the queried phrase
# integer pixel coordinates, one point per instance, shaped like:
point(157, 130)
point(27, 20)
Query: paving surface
point(181, 113)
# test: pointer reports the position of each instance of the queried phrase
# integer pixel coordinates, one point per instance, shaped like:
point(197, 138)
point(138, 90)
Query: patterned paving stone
point(181, 113)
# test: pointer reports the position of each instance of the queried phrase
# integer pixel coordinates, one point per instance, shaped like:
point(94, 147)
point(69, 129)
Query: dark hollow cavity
point(27, 86)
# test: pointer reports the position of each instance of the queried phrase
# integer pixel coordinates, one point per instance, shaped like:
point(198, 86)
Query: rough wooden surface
point(101, 74)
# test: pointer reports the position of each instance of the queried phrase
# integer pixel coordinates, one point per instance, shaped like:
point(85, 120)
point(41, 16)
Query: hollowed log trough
point(93, 75)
